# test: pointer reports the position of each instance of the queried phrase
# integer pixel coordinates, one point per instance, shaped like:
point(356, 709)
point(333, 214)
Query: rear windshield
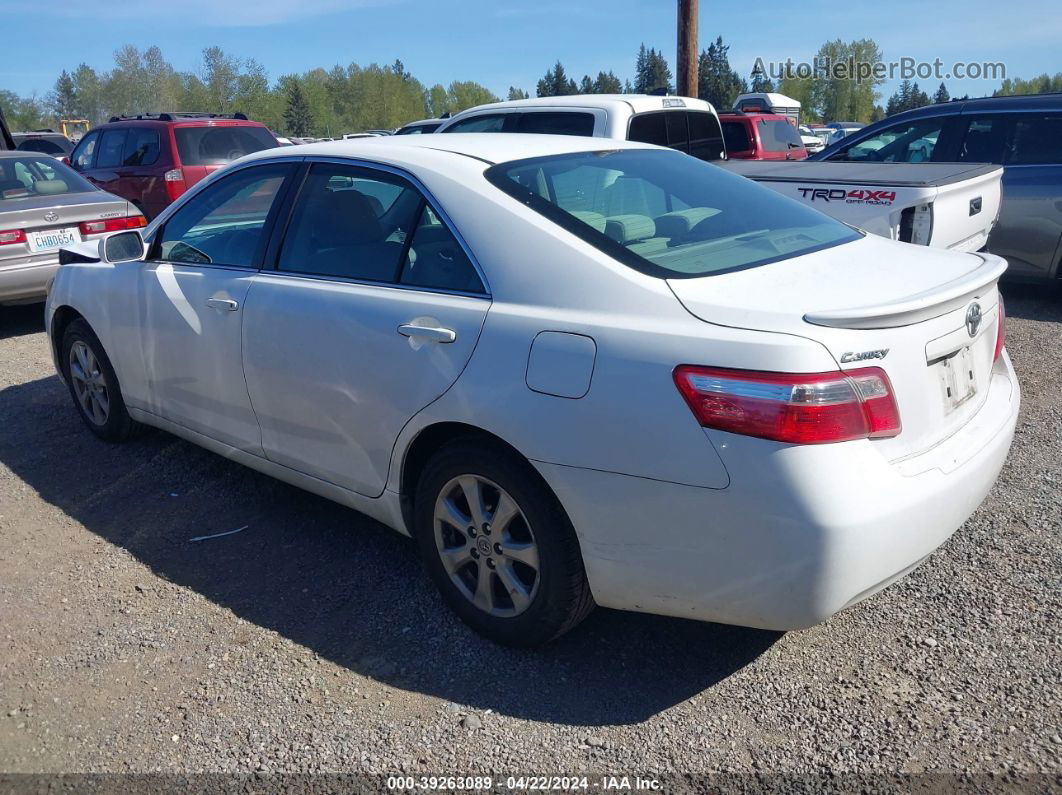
point(667, 214)
point(215, 146)
point(38, 175)
point(49, 146)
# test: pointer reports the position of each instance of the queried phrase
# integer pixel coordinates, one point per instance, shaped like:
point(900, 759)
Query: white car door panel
point(192, 299)
point(372, 312)
point(332, 378)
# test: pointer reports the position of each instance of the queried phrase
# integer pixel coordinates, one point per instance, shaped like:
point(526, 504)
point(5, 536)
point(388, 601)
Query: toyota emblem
point(973, 319)
point(51, 216)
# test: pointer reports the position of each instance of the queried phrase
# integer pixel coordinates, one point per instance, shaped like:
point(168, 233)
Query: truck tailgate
point(948, 205)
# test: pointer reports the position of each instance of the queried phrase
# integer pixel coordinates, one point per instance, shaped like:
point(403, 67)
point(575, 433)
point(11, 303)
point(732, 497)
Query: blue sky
point(513, 42)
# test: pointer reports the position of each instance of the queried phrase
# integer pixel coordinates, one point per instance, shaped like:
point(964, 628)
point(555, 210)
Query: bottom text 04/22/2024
point(523, 783)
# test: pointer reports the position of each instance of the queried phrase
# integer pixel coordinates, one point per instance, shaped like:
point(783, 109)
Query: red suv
point(761, 136)
point(152, 159)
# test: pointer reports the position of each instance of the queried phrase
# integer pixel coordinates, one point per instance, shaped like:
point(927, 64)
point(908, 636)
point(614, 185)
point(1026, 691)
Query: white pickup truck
point(944, 205)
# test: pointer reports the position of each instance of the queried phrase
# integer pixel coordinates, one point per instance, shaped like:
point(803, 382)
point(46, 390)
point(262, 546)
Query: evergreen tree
point(942, 95)
point(297, 117)
point(64, 97)
point(716, 81)
point(516, 93)
point(607, 83)
point(586, 85)
point(556, 83)
point(760, 81)
point(651, 72)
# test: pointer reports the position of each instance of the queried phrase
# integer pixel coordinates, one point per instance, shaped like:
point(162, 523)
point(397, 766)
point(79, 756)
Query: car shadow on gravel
point(20, 320)
point(341, 584)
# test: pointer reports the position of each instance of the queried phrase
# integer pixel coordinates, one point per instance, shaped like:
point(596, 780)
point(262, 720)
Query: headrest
point(682, 222)
point(628, 228)
point(49, 187)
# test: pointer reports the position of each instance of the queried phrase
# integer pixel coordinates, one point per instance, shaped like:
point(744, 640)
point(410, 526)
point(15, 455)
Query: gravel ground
point(312, 641)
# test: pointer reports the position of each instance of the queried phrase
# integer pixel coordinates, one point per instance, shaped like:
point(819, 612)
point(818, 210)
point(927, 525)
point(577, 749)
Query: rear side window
point(141, 147)
point(84, 152)
point(215, 146)
point(667, 215)
point(736, 135)
point(225, 223)
point(1037, 141)
point(112, 145)
point(984, 139)
point(778, 136)
point(436, 260)
point(487, 122)
point(556, 123)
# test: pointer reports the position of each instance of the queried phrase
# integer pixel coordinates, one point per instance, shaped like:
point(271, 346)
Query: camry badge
point(862, 356)
point(973, 319)
point(51, 216)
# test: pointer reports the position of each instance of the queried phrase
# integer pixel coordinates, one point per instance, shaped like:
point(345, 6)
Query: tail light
point(12, 236)
point(112, 225)
point(1001, 329)
point(175, 186)
point(797, 408)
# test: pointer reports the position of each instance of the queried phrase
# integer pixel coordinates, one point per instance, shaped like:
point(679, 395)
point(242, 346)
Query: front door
point(194, 287)
point(371, 314)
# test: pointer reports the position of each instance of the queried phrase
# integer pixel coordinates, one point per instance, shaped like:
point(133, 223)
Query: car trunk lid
point(52, 215)
point(907, 310)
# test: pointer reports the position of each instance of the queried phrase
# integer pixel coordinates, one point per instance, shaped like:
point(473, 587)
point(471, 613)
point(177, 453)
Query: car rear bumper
point(26, 282)
point(801, 533)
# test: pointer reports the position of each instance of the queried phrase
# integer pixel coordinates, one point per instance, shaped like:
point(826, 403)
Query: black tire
point(562, 597)
point(118, 425)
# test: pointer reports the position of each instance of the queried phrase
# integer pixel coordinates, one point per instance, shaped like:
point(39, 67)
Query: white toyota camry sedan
point(575, 375)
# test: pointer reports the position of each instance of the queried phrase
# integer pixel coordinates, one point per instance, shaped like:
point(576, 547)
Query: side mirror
point(123, 247)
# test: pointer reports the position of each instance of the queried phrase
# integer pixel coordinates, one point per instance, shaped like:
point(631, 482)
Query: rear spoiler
point(6, 141)
point(920, 306)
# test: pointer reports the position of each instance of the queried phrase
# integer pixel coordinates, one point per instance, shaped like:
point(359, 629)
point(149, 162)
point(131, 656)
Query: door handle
point(223, 303)
point(433, 333)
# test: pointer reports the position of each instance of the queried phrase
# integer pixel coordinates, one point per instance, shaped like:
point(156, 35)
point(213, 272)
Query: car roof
point(738, 115)
point(635, 103)
point(490, 148)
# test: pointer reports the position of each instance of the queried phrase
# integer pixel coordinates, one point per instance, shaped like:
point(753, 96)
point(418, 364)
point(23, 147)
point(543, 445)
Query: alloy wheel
point(486, 545)
point(90, 385)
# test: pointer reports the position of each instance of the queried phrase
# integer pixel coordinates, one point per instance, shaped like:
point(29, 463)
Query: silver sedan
point(45, 205)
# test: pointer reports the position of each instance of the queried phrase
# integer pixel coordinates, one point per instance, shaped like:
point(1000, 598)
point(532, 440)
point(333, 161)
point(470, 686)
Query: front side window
point(111, 147)
point(1037, 141)
point(907, 142)
point(487, 122)
point(984, 138)
point(225, 223)
point(667, 215)
point(215, 146)
point(351, 223)
point(83, 154)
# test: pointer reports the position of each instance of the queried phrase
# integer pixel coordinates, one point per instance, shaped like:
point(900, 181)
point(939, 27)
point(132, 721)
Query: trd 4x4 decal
point(858, 196)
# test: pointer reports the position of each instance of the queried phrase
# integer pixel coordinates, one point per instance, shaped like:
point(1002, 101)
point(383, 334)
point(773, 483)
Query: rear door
point(370, 314)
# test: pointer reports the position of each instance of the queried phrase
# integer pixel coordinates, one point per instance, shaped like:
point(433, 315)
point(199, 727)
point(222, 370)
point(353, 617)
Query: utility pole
point(686, 62)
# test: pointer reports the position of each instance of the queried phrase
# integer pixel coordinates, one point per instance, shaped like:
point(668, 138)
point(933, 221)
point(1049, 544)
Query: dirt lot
point(312, 641)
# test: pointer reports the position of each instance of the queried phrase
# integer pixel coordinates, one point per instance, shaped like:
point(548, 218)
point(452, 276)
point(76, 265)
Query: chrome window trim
point(430, 200)
point(367, 283)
